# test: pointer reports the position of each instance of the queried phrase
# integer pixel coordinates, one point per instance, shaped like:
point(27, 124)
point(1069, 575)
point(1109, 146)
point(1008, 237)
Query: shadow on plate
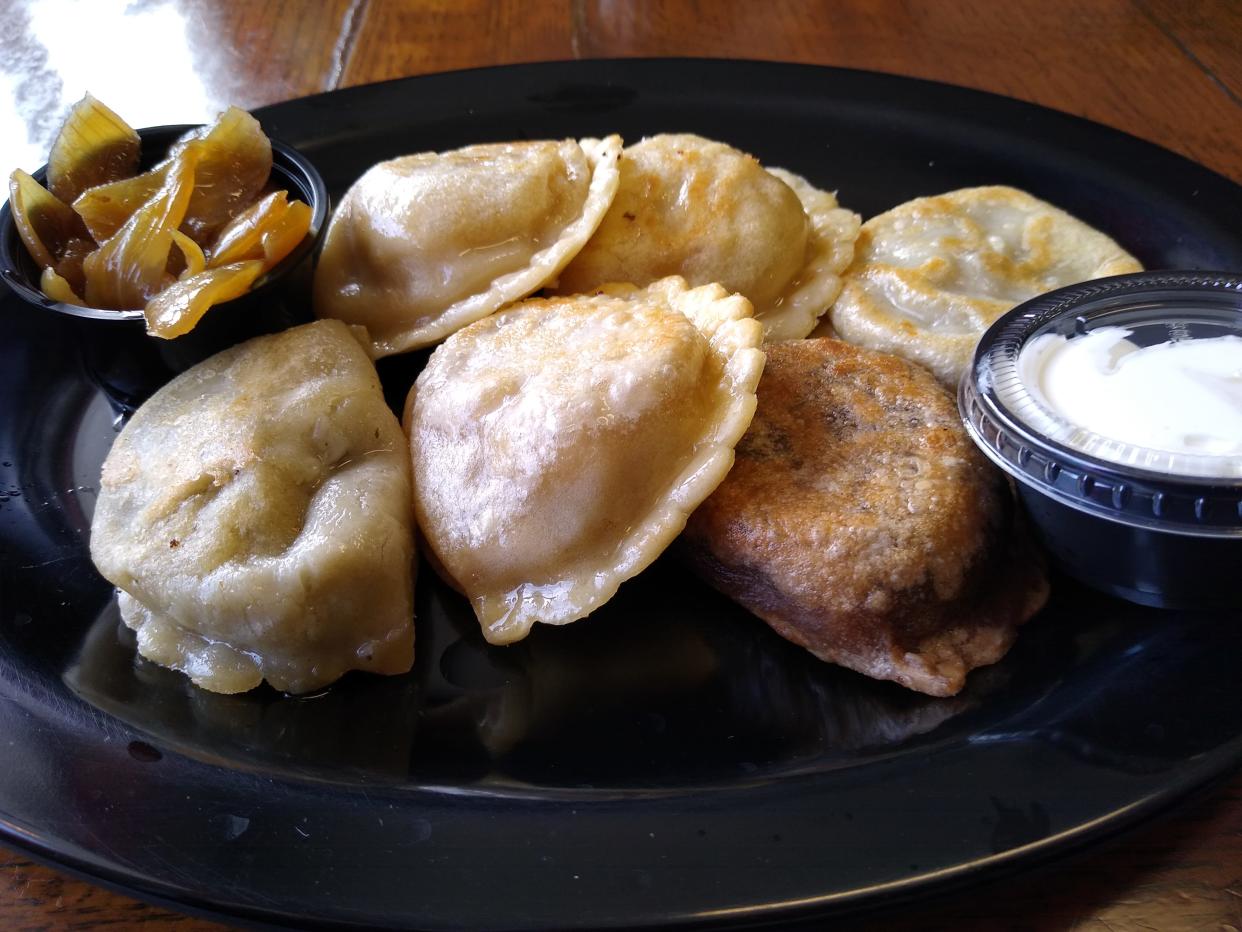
point(668, 687)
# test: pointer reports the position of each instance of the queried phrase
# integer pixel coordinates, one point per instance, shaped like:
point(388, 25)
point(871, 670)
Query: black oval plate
point(669, 760)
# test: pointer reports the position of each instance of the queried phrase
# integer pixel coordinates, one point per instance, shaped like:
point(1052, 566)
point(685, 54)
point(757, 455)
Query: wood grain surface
point(1167, 71)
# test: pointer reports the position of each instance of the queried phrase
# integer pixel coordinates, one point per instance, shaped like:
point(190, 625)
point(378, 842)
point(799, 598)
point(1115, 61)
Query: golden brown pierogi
point(860, 522)
point(708, 212)
point(559, 445)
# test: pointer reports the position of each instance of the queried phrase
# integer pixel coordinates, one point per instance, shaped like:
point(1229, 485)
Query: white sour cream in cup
point(1181, 397)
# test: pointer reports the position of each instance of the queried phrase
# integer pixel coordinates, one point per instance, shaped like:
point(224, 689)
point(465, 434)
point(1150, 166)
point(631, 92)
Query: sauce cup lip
point(1196, 503)
point(288, 164)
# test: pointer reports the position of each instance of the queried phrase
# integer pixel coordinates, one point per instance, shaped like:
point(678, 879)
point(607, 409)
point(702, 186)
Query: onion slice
point(268, 230)
point(56, 288)
point(45, 223)
point(105, 208)
point(181, 305)
point(235, 164)
point(129, 267)
point(94, 146)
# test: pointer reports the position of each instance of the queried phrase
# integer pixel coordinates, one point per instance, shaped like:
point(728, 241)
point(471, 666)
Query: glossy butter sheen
point(1179, 397)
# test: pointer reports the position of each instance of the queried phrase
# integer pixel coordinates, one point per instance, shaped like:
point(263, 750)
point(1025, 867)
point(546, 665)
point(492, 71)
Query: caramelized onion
point(56, 288)
point(206, 191)
point(69, 264)
point(129, 267)
point(243, 237)
point(181, 305)
point(94, 146)
point(268, 230)
point(235, 165)
point(45, 223)
point(285, 234)
point(105, 208)
point(192, 254)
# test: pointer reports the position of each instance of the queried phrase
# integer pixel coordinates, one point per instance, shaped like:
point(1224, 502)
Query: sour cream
point(1181, 397)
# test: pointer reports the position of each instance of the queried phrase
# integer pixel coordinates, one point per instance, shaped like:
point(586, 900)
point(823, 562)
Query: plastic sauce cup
point(1155, 527)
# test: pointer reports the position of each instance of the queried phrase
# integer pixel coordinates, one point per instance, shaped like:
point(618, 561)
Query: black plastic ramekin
point(115, 349)
point(1158, 528)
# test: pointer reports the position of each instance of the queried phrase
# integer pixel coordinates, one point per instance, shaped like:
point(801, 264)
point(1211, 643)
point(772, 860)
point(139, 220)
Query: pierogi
point(703, 210)
point(559, 445)
point(255, 513)
point(930, 275)
point(861, 523)
point(424, 244)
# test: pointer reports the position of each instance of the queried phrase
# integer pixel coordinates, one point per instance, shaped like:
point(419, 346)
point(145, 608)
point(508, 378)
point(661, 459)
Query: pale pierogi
point(703, 210)
point(424, 244)
point(559, 445)
point(930, 275)
point(255, 513)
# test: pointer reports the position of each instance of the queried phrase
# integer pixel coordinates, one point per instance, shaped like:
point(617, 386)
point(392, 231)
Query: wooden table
point(1167, 71)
